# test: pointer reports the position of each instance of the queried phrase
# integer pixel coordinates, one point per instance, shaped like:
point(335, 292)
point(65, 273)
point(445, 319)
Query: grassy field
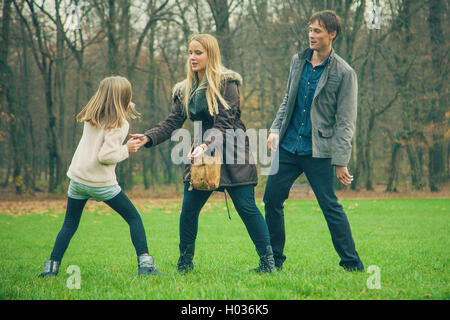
point(407, 239)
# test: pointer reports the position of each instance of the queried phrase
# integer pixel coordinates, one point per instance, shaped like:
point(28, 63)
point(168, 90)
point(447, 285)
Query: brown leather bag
point(205, 174)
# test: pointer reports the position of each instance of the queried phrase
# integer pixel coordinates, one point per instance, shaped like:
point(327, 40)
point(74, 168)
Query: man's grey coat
point(333, 110)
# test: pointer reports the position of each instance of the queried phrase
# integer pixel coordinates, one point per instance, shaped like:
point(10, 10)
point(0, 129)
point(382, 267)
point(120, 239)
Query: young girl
point(92, 171)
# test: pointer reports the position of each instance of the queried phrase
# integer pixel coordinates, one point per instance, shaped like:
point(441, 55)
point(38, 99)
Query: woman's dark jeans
point(244, 201)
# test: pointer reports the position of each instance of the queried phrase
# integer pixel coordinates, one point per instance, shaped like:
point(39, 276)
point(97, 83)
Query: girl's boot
point(51, 268)
point(146, 265)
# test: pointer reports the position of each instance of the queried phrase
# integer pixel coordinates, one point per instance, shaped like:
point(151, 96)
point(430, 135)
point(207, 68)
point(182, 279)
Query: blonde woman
point(210, 94)
point(92, 171)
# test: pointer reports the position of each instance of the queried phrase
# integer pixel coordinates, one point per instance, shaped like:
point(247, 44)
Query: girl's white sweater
point(97, 154)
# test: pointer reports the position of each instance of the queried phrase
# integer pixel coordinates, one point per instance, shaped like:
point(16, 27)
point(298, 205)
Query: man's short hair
point(329, 20)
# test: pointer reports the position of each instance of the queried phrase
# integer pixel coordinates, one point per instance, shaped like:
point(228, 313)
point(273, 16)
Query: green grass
point(408, 239)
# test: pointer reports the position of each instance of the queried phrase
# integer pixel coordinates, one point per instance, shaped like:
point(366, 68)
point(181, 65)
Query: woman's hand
point(143, 139)
point(196, 155)
point(133, 145)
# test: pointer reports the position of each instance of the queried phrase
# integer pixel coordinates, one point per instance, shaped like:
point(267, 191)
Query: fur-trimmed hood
point(227, 75)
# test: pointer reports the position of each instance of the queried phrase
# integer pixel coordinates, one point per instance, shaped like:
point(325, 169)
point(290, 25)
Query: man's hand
point(343, 175)
point(272, 141)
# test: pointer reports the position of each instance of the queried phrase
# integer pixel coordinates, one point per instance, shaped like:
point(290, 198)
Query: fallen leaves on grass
point(32, 207)
point(54, 207)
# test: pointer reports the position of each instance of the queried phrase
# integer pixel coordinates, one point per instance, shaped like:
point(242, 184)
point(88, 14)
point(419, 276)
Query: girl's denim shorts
point(81, 191)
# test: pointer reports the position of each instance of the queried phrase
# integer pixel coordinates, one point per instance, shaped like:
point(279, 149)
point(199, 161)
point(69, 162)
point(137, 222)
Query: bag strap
point(226, 202)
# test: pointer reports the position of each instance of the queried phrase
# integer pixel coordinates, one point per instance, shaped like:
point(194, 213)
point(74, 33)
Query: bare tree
point(221, 11)
point(439, 103)
point(41, 44)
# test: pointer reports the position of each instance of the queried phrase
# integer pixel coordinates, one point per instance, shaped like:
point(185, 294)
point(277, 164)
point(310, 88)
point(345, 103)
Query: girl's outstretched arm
point(113, 150)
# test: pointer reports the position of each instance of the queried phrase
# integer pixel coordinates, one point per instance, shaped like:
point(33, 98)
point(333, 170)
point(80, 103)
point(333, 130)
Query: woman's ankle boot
point(266, 262)
point(185, 263)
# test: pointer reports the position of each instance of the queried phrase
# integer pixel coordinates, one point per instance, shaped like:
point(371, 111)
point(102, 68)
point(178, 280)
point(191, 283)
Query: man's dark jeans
point(320, 174)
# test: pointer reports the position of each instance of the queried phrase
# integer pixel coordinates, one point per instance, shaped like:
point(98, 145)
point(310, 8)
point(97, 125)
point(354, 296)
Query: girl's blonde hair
point(213, 73)
point(110, 105)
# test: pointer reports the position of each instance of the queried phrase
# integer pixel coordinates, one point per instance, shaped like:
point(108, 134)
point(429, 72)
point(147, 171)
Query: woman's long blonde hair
point(213, 74)
point(110, 105)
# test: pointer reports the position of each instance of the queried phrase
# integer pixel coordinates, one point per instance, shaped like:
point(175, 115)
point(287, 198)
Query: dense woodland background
point(54, 53)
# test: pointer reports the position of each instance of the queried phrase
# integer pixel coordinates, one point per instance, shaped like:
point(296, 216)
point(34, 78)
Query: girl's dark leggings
point(121, 204)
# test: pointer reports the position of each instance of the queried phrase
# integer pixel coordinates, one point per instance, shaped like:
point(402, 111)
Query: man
point(314, 128)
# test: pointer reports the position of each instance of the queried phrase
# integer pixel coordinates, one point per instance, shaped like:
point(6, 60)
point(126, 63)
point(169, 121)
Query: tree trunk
point(368, 156)
point(149, 163)
point(111, 30)
point(29, 150)
point(415, 168)
point(55, 161)
point(409, 110)
point(393, 167)
point(60, 80)
point(436, 167)
point(8, 174)
point(7, 99)
point(221, 14)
